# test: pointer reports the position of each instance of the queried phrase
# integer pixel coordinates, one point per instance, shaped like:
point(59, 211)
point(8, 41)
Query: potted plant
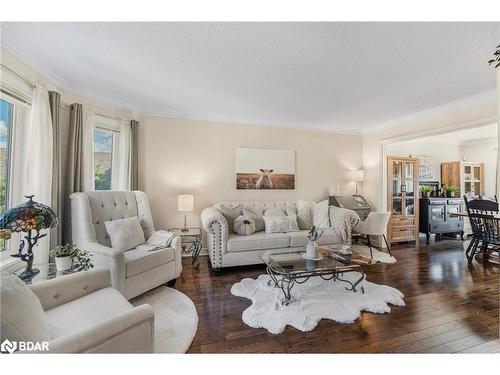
point(312, 245)
point(425, 190)
point(64, 256)
point(450, 191)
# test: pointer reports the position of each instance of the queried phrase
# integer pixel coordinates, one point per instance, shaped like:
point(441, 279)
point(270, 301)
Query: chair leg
point(472, 251)
point(370, 245)
point(387, 244)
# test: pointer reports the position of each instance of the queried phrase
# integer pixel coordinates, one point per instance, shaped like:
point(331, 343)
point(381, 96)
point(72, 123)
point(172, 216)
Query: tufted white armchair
point(133, 271)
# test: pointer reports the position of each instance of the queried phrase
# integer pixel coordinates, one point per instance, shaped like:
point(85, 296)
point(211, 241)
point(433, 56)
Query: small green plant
point(83, 257)
point(425, 189)
point(450, 189)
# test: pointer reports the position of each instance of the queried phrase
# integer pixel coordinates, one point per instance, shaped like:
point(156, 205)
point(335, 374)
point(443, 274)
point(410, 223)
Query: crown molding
point(438, 110)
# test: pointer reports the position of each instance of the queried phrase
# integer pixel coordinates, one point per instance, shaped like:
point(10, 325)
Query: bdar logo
point(8, 346)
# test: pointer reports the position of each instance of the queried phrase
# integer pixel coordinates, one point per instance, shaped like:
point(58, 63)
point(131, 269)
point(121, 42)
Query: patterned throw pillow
point(230, 214)
point(256, 217)
point(274, 212)
point(281, 224)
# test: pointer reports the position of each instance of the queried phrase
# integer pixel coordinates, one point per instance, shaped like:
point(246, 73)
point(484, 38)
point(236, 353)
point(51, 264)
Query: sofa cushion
point(330, 236)
point(256, 215)
point(257, 241)
point(86, 311)
point(125, 234)
point(231, 213)
point(139, 260)
point(22, 315)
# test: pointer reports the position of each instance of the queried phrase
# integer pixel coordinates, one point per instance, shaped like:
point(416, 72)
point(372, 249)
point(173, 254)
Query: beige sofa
point(77, 313)
point(227, 249)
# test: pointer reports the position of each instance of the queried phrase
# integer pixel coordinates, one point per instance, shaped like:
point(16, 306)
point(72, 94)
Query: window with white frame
point(105, 138)
point(6, 120)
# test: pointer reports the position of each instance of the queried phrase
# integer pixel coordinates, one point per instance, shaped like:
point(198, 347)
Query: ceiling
point(350, 77)
point(458, 137)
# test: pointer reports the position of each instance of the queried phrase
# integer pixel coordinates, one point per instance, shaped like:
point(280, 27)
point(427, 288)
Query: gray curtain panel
point(134, 155)
point(57, 180)
point(74, 166)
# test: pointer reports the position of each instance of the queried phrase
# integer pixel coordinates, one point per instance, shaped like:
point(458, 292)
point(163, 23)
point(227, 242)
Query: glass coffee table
point(287, 268)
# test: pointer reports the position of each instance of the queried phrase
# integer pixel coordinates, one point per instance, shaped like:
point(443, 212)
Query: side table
point(47, 271)
point(190, 242)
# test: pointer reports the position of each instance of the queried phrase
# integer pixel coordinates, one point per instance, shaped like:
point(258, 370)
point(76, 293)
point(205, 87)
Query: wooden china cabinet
point(402, 198)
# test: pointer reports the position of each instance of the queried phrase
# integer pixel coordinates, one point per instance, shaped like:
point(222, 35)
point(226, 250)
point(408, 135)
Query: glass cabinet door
point(404, 187)
point(437, 213)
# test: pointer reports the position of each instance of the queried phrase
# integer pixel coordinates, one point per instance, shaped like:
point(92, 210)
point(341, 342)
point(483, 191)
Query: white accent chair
point(133, 271)
point(77, 313)
point(374, 225)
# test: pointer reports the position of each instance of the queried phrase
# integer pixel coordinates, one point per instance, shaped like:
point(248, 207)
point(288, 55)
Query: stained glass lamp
point(30, 218)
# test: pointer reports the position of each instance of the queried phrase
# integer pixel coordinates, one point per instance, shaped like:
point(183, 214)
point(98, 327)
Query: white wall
point(483, 152)
point(199, 157)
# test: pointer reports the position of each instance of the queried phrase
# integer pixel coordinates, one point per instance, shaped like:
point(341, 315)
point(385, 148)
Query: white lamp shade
point(185, 202)
point(357, 175)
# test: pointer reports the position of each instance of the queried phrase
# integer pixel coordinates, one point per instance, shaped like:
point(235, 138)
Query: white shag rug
point(379, 256)
point(312, 301)
point(176, 319)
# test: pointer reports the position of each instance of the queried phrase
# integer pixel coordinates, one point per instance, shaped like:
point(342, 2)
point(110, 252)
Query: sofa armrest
point(110, 335)
point(110, 258)
point(215, 224)
point(58, 291)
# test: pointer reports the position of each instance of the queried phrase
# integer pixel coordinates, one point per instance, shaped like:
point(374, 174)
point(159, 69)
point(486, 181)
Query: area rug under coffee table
point(312, 301)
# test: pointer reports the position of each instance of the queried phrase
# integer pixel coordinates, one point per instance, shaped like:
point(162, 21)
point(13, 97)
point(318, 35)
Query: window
point(6, 110)
point(103, 158)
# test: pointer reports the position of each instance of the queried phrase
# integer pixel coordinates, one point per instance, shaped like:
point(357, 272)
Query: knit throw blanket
point(158, 240)
point(343, 220)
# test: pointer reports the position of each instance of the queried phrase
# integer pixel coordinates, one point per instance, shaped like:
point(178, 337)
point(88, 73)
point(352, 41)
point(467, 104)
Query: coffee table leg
point(353, 286)
point(285, 284)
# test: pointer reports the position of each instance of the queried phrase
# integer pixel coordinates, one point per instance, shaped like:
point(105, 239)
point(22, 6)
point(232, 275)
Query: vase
point(312, 250)
point(63, 263)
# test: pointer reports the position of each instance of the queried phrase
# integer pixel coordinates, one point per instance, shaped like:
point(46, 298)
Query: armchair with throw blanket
point(117, 227)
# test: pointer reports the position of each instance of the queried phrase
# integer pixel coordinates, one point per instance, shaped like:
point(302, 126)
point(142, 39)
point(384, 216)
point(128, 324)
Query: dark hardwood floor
point(449, 308)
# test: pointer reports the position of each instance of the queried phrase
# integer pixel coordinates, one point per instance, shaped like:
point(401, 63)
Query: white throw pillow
point(304, 215)
point(281, 224)
point(125, 234)
point(274, 212)
point(23, 318)
point(320, 215)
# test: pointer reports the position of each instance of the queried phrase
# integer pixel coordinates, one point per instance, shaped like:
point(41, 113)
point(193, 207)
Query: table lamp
point(185, 204)
point(30, 217)
point(357, 176)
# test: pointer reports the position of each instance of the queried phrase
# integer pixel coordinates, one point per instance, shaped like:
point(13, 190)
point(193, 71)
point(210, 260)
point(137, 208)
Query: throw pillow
point(274, 212)
point(244, 225)
point(23, 318)
point(281, 224)
point(125, 234)
point(320, 215)
point(304, 215)
point(257, 217)
point(231, 213)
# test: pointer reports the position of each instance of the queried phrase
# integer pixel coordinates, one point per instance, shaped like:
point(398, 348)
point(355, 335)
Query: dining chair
point(482, 213)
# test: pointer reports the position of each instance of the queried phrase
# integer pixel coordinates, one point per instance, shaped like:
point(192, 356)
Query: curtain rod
point(20, 76)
